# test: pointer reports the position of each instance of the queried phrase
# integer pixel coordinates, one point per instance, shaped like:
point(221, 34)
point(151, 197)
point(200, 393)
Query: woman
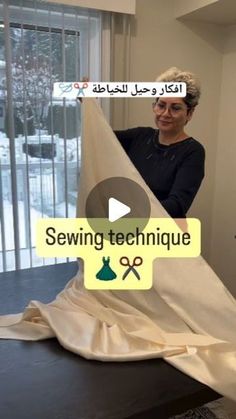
point(170, 161)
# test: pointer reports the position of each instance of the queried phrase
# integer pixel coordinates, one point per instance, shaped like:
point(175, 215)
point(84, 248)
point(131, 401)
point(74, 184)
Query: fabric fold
point(188, 317)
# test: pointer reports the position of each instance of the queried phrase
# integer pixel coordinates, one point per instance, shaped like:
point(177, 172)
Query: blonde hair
point(174, 74)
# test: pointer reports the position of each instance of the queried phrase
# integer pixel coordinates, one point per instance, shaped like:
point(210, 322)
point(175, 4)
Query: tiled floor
point(230, 408)
point(222, 409)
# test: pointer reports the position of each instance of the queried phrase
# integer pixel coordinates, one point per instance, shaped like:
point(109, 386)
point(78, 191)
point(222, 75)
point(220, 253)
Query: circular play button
point(118, 203)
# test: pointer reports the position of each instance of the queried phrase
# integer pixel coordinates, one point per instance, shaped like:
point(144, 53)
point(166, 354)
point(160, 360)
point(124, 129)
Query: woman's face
point(171, 114)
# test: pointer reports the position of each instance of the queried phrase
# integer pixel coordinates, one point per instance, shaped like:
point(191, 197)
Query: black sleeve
point(187, 182)
point(126, 137)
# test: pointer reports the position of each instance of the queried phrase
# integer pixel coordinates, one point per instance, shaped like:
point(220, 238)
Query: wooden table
point(41, 380)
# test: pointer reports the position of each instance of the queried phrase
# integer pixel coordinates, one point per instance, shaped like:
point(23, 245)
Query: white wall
point(121, 6)
point(223, 243)
point(186, 6)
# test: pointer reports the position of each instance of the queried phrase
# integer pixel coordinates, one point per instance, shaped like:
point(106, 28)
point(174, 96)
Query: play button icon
point(117, 210)
point(117, 203)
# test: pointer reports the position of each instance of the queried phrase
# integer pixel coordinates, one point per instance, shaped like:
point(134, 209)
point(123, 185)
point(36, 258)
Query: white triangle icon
point(116, 209)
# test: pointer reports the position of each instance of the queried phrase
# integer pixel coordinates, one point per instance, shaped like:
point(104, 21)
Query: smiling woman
point(171, 114)
point(170, 161)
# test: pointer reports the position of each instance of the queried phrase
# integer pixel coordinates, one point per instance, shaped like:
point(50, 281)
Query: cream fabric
point(188, 317)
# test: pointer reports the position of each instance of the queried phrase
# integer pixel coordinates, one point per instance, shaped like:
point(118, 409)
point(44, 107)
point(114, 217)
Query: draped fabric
point(188, 317)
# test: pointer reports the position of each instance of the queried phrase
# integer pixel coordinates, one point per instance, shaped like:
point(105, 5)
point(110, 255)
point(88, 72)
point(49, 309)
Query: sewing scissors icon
point(124, 261)
point(81, 88)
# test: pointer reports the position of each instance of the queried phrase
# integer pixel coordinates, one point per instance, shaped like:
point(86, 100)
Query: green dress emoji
point(106, 273)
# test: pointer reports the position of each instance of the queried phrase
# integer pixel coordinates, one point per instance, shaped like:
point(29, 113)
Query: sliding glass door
point(40, 137)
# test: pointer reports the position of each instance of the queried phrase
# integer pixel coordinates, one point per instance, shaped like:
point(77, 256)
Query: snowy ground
point(40, 175)
point(25, 252)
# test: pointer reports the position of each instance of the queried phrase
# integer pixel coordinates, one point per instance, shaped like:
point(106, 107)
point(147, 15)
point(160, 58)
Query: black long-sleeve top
point(173, 172)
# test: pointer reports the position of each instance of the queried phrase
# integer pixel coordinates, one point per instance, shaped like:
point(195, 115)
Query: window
point(40, 43)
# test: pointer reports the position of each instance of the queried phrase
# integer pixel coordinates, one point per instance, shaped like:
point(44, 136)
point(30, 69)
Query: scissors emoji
point(81, 88)
point(124, 261)
point(65, 87)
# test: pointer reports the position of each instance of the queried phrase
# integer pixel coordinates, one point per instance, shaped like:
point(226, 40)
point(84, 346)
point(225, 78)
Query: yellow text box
point(109, 254)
